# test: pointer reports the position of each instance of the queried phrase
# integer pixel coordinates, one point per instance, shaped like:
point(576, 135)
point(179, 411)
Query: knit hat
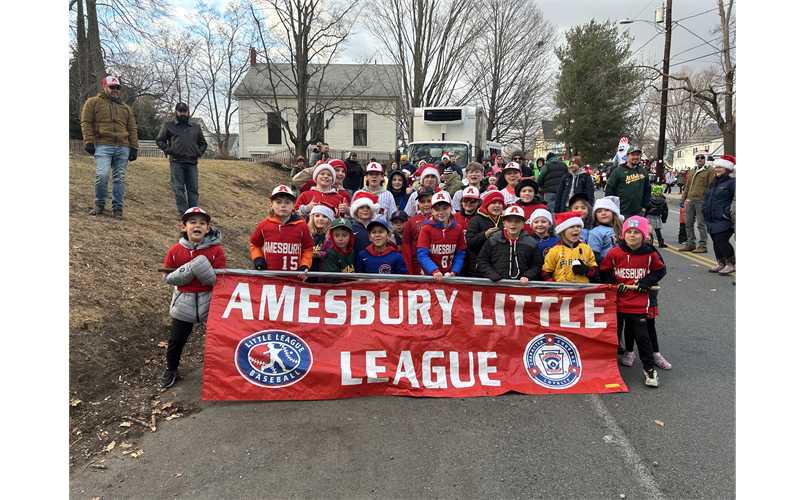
point(441, 197)
point(526, 183)
point(300, 158)
point(566, 220)
point(403, 157)
point(636, 222)
point(490, 197)
point(336, 163)
point(364, 199)
point(725, 161)
point(514, 211)
point(447, 170)
point(323, 209)
point(656, 189)
point(612, 203)
point(576, 160)
point(321, 168)
point(471, 192)
point(374, 167)
point(540, 212)
point(195, 211)
point(282, 190)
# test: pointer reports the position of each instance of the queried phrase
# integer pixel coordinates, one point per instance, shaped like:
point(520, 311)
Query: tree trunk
point(97, 70)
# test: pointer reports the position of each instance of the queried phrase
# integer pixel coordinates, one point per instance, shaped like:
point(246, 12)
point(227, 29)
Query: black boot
point(659, 239)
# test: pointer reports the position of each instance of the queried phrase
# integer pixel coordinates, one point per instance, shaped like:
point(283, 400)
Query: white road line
point(644, 478)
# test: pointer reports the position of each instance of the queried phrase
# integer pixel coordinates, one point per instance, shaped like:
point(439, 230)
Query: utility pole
point(664, 95)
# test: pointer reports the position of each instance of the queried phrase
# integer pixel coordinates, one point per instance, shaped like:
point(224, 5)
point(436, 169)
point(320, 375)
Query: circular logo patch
point(273, 358)
point(552, 361)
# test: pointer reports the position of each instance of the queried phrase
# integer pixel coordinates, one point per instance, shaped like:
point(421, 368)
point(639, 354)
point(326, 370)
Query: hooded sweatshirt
point(624, 265)
point(389, 261)
point(285, 247)
point(400, 196)
point(504, 258)
point(559, 263)
point(331, 198)
point(441, 248)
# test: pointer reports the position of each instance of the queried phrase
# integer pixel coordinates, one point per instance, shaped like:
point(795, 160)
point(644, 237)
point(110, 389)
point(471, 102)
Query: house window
point(317, 127)
point(359, 129)
point(274, 128)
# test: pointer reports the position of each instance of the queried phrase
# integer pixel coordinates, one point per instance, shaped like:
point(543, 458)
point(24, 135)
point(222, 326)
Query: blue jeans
point(550, 200)
point(115, 158)
point(184, 176)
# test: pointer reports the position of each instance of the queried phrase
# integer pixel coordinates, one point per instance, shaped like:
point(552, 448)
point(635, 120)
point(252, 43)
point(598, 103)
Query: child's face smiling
point(430, 180)
point(513, 225)
point(441, 212)
point(282, 206)
point(320, 221)
point(379, 236)
point(540, 225)
point(196, 227)
point(324, 178)
point(340, 175)
point(512, 177)
point(580, 207)
point(397, 182)
point(495, 208)
point(470, 205)
point(474, 178)
point(633, 238)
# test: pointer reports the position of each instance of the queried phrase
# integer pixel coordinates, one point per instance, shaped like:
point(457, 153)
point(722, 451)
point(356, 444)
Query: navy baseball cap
point(399, 214)
point(379, 221)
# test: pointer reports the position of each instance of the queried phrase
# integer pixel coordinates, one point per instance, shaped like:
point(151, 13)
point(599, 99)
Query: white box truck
point(461, 131)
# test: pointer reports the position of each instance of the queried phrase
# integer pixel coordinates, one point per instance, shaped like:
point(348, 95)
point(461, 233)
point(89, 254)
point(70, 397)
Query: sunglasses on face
point(114, 87)
point(700, 157)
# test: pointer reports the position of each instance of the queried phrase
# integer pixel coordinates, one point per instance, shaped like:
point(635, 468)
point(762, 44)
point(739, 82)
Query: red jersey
point(629, 268)
point(440, 248)
point(331, 198)
point(463, 220)
point(285, 247)
point(409, 241)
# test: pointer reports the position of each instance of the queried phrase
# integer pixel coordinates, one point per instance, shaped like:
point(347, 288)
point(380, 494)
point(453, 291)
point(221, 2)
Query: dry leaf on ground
point(179, 474)
point(125, 424)
point(109, 447)
point(75, 402)
point(659, 423)
point(163, 344)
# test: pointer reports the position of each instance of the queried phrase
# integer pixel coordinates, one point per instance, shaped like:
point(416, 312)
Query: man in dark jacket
point(549, 178)
point(574, 182)
point(183, 142)
point(354, 179)
point(519, 158)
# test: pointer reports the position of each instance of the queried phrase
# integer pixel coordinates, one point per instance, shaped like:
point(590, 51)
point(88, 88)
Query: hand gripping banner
point(271, 338)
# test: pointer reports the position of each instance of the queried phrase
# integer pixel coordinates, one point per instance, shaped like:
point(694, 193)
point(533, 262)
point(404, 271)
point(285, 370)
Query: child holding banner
point(511, 253)
point(441, 246)
point(651, 322)
point(381, 257)
point(633, 262)
point(570, 261)
point(282, 241)
point(195, 258)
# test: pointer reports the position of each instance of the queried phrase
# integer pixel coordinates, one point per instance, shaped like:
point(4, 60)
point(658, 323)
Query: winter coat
point(501, 259)
point(631, 185)
point(107, 122)
point(182, 142)
point(355, 174)
point(194, 276)
point(630, 267)
point(453, 184)
point(717, 205)
point(658, 206)
point(697, 184)
point(551, 175)
point(476, 237)
point(601, 239)
point(568, 189)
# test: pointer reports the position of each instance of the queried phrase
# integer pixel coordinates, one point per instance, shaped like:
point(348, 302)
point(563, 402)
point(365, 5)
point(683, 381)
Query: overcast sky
point(564, 14)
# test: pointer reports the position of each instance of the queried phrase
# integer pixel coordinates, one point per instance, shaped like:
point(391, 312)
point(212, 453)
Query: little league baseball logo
point(273, 358)
point(552, 361)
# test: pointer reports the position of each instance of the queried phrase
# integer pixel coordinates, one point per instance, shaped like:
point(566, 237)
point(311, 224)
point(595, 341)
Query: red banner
point(280, 339)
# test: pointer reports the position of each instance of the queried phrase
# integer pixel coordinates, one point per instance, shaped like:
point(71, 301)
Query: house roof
point(349, 80)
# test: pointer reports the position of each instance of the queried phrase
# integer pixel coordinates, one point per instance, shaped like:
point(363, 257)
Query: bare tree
point(685, 117)
point(430, 40)
point(507, 62)
point(299, 40)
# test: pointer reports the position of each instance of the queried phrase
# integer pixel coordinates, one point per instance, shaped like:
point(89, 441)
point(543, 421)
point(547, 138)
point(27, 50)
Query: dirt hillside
point(118, 300)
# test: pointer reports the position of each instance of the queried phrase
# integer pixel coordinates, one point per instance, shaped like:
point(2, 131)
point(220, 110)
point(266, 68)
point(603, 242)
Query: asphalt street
point(509, 446)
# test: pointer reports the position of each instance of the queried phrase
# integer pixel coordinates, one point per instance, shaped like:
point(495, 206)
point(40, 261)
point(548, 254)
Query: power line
point(700, 57)
point(699, 14)
point(695, 47)
point(697, 36)
point(644, 8)
point(650, 39)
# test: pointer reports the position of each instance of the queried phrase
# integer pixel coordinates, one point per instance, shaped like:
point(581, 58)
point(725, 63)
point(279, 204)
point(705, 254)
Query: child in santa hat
point(429, 176)
point(322, 192)
point(364, 209)
point(374, 186)
point(511, 253)
point(570, 261)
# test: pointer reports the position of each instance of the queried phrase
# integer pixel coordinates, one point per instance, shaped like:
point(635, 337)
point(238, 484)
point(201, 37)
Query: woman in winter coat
point(716, 209)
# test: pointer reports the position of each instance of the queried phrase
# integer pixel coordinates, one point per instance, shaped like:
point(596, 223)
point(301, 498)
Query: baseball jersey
point(439, 248)
point(285, 247)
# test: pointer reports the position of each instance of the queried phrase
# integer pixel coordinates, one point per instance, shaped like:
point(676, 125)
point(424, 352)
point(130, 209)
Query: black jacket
point(584, 184)
point(354, 179)
point(183, 143)
point(476, 237)
point(658, 206)
point(556, 169)
point(500, 259)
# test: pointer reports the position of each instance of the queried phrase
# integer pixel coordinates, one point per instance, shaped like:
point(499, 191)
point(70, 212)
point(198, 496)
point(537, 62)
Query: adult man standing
point(110, 135)
point(354, 179)
point(183, 142)
point(519, 158)
point(485, 163)
point(697, 183)
point(549, 178)
point(323, 155)
point(630, 183)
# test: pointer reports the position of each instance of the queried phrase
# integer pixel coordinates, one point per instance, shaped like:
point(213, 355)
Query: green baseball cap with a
point(633, 149)
point(341, 222)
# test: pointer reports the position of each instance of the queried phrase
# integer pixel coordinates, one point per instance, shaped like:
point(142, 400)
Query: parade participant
point(473, 176)
point(629, 182)
point(620, 155)
point(340, 257)
point(322, 194)
point(716, 209)
point(510, 253)
point(575, 181)
point(413, 227)
point(570, 260)
point(195, 259)
point(282, 241)
point(541, 223)
point(481, 226)
point(381, 257)
point(303, 182)
point(507, 183)
point(692, 198)
point(657, 212)
point(580, 203)
point(374, 181)
point(364, 209)
point(633, 262)
point(441, 247)
point(398, 221)
point(355, 174)
point(526, 192)
point(607, 225)
point(319, 223)
point(398, 187)
point(549, 178)
point(110, 136)
point(429, 177)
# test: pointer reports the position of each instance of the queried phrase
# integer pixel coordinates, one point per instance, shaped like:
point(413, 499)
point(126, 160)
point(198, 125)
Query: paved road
point(510, 446)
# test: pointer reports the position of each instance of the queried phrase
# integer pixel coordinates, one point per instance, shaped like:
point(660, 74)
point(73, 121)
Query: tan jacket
point(697, 184)
point(106, 122)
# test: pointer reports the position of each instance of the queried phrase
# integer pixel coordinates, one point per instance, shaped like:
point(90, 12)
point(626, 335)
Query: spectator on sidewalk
point(629, 182)
point(693, 194)
point(718, 215)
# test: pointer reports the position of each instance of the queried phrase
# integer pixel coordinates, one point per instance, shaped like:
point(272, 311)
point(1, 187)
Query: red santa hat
point(446, 155)
point(567, 220)
point(725, 161)
point(430, 170)
point(364, 199)
point(336, 163)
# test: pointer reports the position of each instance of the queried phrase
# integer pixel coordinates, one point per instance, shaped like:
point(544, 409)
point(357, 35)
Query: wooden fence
point(148, 149)
point(286, 156)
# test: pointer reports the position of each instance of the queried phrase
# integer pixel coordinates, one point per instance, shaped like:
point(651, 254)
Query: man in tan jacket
point(110, 135)
point(697, 183)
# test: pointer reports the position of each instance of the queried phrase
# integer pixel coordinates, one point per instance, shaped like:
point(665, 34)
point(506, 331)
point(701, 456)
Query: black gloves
point(260, 264)
point(622, 288)
point(132, 154)
point(643, 288)
point(581, 269)
point(90, 148)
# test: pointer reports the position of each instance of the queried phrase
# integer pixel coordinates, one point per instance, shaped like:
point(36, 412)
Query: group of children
point(485, 237)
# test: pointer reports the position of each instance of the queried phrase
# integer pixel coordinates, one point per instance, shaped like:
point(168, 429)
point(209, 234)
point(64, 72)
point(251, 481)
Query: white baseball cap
point(281, 189)
point(441, 197)
point(374, 167)
point(471, 192)
point(515, 210)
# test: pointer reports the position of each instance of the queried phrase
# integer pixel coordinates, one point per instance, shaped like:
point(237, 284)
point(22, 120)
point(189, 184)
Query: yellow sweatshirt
point(559, 262)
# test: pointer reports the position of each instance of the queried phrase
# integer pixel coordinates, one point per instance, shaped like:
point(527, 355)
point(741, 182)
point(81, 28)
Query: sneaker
point(718, 268)
point(96, 210)
point(652, 379)
point(118, 214)
point(699, 250)
point(687, 248)
point(729, 268)
point(661, 362)
point(628, 358)
point(168, 378)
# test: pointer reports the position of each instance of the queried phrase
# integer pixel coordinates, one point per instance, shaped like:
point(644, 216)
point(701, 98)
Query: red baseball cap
point(110, 80)
point(195, 211)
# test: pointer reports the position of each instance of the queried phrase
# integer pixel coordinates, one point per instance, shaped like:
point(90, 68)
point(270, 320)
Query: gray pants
point(693, 211)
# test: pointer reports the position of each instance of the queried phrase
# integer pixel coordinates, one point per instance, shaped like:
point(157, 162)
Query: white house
point(708, 140)
point(366, 100)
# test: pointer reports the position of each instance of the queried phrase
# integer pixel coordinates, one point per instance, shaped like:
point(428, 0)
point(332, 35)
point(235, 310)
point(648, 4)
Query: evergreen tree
point(595, 90)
